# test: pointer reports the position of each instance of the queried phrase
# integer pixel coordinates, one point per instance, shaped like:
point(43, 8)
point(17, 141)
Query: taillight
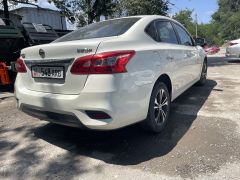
point(232, 44)
point(20, 66)
point(103, 63)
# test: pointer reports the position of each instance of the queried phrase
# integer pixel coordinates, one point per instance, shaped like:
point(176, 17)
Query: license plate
point(56, 72)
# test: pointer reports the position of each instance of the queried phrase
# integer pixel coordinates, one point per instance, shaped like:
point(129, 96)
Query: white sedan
point(233, 50)
point(110, 74)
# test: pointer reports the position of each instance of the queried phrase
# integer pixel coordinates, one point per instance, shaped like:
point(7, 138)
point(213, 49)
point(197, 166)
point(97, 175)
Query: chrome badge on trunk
point(42, 53)
point(85, 50)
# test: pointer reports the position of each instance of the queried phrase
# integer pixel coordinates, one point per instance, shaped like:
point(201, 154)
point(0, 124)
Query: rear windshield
point(109, 28)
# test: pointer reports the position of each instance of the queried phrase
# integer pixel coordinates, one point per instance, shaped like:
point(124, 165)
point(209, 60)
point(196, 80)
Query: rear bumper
point(71, 110)
point(66, 109)
point(63, 118)
point(232, 53)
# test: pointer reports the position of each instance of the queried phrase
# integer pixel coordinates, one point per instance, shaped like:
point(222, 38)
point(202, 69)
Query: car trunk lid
point(61, 57)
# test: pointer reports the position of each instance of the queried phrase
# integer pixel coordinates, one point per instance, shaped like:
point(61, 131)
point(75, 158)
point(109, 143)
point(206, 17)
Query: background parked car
point(212, 49)
point(233, 49)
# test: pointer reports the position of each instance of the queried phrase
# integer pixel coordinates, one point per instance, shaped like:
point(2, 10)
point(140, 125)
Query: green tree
point(86, 11)
point(232, 5)
point(227, 19)
point(143, 7)
point(185, 18)
point(207, 31)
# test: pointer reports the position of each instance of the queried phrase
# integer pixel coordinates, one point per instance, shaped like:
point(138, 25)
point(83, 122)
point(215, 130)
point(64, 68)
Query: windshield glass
point(109, 28)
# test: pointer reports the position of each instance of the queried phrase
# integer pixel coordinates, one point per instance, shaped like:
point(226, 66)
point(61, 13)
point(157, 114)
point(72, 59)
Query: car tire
point(159, 109)
point(203, 78)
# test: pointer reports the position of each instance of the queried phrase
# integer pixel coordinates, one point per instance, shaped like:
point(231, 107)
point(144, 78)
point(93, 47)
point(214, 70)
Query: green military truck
point(13, 39)
point(11, 43)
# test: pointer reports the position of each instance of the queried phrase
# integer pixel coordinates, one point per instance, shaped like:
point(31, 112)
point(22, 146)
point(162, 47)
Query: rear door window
point(185, 38)
point(166, 32)
point(109, 28)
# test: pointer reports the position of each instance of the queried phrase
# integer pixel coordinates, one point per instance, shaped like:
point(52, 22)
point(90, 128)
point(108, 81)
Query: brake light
point(20, 66)
point(103, 63)
point(232, 44)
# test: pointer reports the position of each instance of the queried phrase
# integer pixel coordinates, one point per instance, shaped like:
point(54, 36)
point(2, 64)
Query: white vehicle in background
point(233, 50)
point(111, 74)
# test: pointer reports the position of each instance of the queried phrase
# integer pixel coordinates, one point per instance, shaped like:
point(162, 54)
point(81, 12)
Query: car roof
point(145, 17)
point(149, 17)
point(235, 41)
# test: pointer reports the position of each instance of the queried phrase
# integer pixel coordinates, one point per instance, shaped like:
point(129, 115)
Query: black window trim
point(123, 18)
point(145, 30)
point(158, 39)
point(180, 43)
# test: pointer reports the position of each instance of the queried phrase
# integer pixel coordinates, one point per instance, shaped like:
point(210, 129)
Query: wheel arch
point(166, 80)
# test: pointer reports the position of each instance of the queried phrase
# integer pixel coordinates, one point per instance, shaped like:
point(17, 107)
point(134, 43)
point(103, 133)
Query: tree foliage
point(206, 31)
point(143, 7)
point(86, 11)
point(226, 19)
point(185, 18)
point(225, 24)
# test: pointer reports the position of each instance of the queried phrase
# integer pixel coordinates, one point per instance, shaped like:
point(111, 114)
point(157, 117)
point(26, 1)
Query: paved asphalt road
point(202, 140)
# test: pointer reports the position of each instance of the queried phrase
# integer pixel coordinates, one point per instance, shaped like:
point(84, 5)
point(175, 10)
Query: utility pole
point(196, 25)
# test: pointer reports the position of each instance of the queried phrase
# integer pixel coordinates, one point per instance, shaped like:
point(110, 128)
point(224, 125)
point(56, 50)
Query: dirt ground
point(201, 141)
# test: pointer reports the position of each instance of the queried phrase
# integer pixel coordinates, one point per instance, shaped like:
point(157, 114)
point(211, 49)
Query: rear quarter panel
point(133, 89)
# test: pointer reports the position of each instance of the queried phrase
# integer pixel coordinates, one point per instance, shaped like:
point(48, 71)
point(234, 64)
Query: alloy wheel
point(204, 71)
point(161, 107)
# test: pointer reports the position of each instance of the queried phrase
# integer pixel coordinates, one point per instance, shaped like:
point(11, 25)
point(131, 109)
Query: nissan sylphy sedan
point(110, 74)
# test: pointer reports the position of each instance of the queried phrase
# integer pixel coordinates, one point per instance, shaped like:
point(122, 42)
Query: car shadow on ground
point(6, 88)
point(131, 145)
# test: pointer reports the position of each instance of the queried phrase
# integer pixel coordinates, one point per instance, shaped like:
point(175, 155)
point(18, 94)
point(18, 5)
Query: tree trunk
point(6, 11)
point(90, 18)
point(98, 19)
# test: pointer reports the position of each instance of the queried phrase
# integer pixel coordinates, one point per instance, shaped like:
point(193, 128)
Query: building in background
point(42, 16)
